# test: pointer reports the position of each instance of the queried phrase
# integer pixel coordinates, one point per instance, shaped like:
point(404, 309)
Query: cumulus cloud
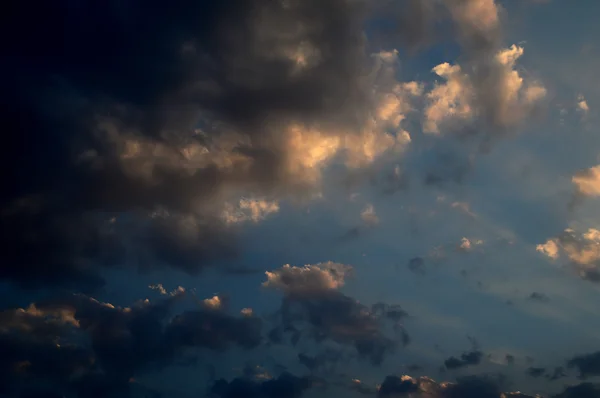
point(500, 101)
point(582, 251)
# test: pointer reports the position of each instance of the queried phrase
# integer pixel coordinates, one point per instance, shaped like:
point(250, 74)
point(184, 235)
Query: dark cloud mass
point(587, 365)
point(126, 121)
point(466, 359)
point(79, 345)
point(311, 297)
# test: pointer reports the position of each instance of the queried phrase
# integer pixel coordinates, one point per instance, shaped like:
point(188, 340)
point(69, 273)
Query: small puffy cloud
point(369, 216)
point(582, 104)
point(247, 311)
point(213, 303)
point(550, 248)
point(309, 279)
point(467, 244)
point(159, 288)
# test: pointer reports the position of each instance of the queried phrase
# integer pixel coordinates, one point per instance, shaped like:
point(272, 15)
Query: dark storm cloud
point(101, 106)
point(94, 349)
point(466, 359)
point(587, 365)
point(285, 386)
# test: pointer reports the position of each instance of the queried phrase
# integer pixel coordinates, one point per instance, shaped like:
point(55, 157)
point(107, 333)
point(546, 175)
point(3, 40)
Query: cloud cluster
point(78, 345)
point(311, 296)
point(482, 386)
point(148, 151)
point(157, 154)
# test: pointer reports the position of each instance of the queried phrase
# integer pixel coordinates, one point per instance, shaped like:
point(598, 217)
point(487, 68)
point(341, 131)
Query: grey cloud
point(466, 359)
point(417, 265)
point(311, 297)
point(535, 372)
point(587, 365)
point(79, 345)
point(536, 296)
point(285, 386)
point(105, 126)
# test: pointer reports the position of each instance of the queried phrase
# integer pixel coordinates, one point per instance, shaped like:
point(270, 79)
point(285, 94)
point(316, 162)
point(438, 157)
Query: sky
point(300, 198)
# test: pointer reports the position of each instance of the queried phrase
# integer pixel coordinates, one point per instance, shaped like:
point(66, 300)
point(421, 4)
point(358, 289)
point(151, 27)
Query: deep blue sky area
point(300, 199)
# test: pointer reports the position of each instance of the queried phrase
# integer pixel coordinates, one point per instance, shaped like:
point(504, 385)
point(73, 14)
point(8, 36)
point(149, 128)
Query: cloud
point(127, 156)
point(582, 104)
point(582, 252)
point(84, 346)
point(249, 210)
point(417, 265)
point(535, 372)
point(500, 101)
point(369, 216)
point(311, 297)
point(298, 281)
point(482, 386)
point(466, 359)
point(587, 365)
